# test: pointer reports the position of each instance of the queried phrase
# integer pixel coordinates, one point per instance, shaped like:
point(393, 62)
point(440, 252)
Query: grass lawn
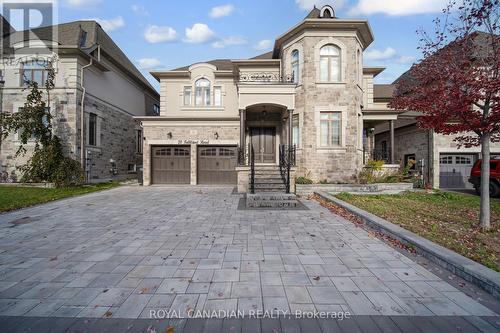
point(449, 219)
point(15, 197)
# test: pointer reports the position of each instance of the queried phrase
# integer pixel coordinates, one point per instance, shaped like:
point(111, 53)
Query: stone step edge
point(469, 270)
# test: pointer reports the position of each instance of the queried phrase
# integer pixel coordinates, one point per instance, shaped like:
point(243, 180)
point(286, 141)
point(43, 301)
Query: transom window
point(295, 66)
point(202, 92)
point(226, 152)
point(34, 71)
point(329, 63)
point(446, 160)
point(330, 129)
point(463, 160)
point(209, 152)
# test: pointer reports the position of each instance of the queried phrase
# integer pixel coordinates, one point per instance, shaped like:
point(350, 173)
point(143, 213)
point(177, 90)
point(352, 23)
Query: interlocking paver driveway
point(127, 251)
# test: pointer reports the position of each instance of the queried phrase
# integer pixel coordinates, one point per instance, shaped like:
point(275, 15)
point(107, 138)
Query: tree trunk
point(484, 217)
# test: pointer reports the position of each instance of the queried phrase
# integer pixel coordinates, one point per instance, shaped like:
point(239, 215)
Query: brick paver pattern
point(124, 252)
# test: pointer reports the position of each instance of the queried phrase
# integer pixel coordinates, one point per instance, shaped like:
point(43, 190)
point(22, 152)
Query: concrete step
point(268, 181)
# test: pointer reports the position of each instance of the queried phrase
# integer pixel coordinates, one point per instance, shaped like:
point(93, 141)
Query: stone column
point(391, 126)
point(290, 128)
point(242, 131)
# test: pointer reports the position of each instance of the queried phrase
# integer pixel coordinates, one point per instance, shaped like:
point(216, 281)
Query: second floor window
point(187, 96)
point(295, 66)
point(202, 92)
point(329, 62)
point(217, 96)
point(156, 110)
point(34, 71)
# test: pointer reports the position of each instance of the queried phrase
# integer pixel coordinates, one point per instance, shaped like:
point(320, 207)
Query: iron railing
point(287, 161)
point(252, 169)
point(376, 155)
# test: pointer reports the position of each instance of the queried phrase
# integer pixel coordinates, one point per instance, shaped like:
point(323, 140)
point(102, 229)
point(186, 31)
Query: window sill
point(331, 84)
point(202, 108)
point(93, 148)
point(332, 148)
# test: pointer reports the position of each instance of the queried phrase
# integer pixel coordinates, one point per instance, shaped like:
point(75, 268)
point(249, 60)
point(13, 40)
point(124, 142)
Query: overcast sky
point(165, 34)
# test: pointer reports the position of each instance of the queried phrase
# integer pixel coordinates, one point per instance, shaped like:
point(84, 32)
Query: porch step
point(271, 200)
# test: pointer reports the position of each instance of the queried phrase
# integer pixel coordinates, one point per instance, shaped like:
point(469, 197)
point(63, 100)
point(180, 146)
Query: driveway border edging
point(469, 270)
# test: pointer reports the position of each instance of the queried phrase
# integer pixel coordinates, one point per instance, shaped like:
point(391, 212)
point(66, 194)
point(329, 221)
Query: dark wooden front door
point(216, 165)
point(263, 142)
point(171, 165)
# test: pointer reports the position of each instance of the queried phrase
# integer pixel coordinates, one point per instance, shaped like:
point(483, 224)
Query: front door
point(263, 143)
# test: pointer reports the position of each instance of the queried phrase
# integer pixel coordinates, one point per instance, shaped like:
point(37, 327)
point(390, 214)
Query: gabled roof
point(267, 55)
point(70, 35)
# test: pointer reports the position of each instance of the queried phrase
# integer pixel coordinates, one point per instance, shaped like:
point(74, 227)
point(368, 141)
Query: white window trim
point(343, 62)
point(183, 95)
point(287, 67)
point(343, 126)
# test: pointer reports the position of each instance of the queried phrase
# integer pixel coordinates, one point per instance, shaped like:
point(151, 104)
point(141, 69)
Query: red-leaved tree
point(456, 86)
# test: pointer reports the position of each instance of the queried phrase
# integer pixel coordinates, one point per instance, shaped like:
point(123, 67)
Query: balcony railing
point(265, 77)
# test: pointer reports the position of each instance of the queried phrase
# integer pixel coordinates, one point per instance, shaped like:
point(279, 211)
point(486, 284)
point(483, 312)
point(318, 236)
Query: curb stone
point(469, 270)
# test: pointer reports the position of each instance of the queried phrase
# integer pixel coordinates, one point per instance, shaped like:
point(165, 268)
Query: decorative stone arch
point(287, 63)
point(327, 12)
point(343, 57)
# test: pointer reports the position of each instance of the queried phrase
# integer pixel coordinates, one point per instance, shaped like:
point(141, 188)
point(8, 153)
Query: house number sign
point(192, 142)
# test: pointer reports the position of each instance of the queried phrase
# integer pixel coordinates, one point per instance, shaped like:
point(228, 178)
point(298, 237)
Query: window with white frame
point(295, 66)
point(329, 62)
point(330, 129)
point(218, 96)
point(187, 95)
point(295, 130)
point(202, 92)
point(92, 130)
point(34, 71)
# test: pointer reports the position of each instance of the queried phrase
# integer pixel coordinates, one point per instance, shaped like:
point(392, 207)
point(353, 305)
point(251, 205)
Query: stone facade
point(312, 97)
point(427, 146)
point(186, 133)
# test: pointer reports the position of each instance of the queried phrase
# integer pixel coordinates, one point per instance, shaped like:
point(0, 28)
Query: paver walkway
point(129, 251)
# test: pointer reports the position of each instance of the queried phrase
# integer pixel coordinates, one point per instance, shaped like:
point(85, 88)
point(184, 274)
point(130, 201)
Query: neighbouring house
point(229, 121)
point(97, 90)
point(443, 163)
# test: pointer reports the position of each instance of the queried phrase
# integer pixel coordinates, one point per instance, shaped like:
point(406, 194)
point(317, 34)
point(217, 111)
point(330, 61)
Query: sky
point(166, 34)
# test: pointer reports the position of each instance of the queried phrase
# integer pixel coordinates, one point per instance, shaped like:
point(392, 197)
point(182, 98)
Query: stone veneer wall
point(339, 164)
point(408, 140)
point(157, 134)
point(117, 130)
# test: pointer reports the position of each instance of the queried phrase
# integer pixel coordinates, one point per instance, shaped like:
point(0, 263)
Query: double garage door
point(454, 170)
point(215, 164)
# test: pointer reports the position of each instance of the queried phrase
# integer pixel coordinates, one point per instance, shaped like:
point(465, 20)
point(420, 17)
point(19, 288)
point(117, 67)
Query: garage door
point(454, 170)
point(171, 165)
point(216, 165)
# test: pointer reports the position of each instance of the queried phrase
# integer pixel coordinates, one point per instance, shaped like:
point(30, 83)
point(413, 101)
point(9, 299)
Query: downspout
point(82, 116)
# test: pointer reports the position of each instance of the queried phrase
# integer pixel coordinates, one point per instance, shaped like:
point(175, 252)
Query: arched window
point(329, 62)
point(295, 66)
point(202, 92)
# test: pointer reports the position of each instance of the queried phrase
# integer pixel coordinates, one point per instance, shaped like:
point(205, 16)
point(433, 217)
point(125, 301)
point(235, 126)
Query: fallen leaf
point(108, 314)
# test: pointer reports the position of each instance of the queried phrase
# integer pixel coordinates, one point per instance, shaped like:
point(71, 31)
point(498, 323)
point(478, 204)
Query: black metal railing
point(377, 155)
point(252, 169)
point(287, 161)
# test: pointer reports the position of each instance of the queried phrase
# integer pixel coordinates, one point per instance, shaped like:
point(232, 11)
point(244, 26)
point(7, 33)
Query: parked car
point(475, 177)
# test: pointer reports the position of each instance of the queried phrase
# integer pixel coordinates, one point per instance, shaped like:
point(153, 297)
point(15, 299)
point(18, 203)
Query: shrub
point(303, 180)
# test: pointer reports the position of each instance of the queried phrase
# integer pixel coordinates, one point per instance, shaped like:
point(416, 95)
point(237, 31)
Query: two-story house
point(219, 119)
point(97, 92)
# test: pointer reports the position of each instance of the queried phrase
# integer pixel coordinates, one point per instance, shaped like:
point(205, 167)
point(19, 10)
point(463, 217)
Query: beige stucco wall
point(172, 102)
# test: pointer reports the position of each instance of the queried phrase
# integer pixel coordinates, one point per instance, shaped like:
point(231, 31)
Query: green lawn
point(15, 197)
point(449, 219)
